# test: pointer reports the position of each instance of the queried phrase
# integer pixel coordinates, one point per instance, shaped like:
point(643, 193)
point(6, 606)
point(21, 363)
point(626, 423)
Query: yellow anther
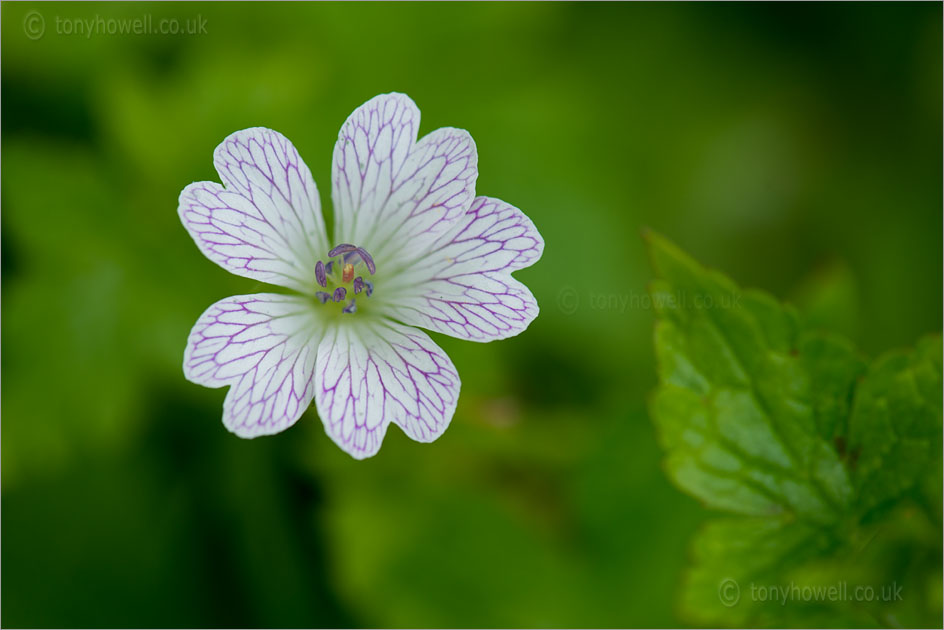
point(348, 273)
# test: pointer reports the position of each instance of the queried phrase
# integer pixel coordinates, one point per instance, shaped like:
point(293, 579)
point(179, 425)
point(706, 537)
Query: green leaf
point(895, 429)
point(833, 367)
point(812, 449)
point(745, 407)
point(736, 561)
point(774, 572)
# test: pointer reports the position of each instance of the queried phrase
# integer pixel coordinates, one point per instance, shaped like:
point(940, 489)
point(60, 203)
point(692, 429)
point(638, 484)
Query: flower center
point(340, 276)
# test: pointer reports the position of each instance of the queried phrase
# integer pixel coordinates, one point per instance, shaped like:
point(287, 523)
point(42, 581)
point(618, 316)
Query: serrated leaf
point(745, 408)
point(895, 429)
point(774, 572)
point(735, 557)
point(833, 367)
point(797, 433)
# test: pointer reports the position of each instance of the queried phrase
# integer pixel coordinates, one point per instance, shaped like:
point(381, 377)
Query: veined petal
point(265, 222)
point(264, 346)
point(391, 192)
point(463, 287)
point(375, 372)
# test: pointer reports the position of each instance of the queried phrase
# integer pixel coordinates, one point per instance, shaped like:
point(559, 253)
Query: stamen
point(343, 248)
point(367, 260)
point(344, 259)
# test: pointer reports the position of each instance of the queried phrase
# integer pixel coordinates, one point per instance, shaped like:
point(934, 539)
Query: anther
point(343, 248)
point(344, 259)
point(367, 260)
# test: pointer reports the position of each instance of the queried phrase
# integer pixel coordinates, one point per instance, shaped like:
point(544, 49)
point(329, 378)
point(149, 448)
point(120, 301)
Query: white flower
point(412, 246)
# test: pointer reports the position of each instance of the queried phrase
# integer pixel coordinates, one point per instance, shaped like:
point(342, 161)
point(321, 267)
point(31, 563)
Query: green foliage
point(895, 428)
point(761, 133)
point(831, 463)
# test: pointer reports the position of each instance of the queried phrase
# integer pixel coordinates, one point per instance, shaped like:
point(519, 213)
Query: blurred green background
point(795, 146)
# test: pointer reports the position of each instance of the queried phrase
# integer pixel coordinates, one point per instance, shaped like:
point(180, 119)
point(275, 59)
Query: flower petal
point(264, 346)
point(266, 222)
point(371, 373)
point(391, 192)
point(464, 287)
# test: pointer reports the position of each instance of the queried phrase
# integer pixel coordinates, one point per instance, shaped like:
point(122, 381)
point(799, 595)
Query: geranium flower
point(413, 246)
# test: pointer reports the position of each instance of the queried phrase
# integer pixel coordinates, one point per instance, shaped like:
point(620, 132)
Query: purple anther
point(367, 260)
point(320, 275)
point(329, 267)
point(358, 285)
point(339, 294)
point(323, 297)
point(368, 287)
point(343, 248)
point(350, 308)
